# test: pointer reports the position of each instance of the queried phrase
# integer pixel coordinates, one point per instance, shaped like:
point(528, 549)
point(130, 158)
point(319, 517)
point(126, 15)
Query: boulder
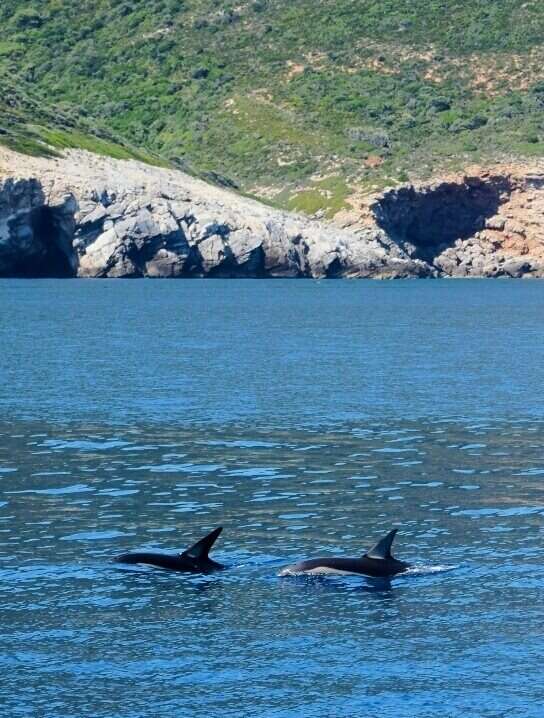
point(515, 267)
point(497, 223)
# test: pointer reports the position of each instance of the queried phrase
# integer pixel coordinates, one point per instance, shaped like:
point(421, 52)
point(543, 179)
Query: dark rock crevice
point(53, 230)
point(230, 268)
point(426, 221)
point(36, 238)
point(335, 269)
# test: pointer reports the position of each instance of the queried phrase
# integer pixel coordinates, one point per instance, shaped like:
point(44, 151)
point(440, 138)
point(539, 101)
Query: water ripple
point(74, 498)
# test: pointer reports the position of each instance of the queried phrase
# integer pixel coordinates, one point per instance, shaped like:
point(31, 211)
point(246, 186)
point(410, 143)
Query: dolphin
point(377, 562)
point(194, 560)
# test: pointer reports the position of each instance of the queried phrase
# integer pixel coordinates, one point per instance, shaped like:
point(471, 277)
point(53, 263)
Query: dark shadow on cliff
point(428, 220)
point(37, 239)
point(56, 257)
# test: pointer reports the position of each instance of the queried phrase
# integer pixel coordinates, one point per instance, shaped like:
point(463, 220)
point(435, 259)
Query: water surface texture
point(308, 419)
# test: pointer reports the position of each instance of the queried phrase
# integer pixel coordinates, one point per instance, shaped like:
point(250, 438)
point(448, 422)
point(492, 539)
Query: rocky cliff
point(486, 223)
point(89, 216)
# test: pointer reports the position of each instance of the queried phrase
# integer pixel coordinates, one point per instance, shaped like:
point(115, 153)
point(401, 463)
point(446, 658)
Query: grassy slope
point(273, 92)
point(32, 127)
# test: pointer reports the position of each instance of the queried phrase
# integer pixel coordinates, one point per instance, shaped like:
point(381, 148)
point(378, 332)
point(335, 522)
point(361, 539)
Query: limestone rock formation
point(35, 235)
point(90, 216)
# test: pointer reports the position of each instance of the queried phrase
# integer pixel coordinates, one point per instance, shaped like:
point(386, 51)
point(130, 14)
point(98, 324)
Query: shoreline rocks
point(89, 216)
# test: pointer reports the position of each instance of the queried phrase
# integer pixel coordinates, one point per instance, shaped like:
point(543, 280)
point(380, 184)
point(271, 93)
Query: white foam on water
point(421, 569)
point(289, 572)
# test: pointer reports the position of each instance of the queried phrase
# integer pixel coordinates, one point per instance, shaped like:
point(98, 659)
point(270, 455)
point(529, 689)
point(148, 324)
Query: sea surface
point(307, 418)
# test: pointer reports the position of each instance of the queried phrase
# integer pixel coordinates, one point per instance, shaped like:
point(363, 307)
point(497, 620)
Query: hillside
point(304, 104)
point(32, 126)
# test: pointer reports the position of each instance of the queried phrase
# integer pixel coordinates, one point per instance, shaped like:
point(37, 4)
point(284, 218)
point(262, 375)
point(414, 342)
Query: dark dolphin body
point(377, 562)
point(193, 560)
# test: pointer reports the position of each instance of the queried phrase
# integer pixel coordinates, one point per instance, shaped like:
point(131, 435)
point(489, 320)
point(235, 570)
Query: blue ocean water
point(308, 418)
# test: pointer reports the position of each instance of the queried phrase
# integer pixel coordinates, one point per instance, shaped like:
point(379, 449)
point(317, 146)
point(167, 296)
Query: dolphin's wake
point(423, 570)
point(416, 570)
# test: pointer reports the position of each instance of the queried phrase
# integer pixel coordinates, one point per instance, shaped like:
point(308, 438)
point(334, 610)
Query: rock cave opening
point(426, 221)
point(54, 233)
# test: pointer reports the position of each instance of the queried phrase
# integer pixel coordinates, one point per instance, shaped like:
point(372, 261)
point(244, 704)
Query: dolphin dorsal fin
point(382, 550)
point(202, 548)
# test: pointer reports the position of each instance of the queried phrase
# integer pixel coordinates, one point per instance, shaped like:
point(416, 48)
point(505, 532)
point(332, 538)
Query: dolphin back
point(382, 550)
point(200, 550)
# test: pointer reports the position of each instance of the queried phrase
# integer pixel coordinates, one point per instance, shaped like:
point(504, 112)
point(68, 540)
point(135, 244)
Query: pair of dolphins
point(377, 562)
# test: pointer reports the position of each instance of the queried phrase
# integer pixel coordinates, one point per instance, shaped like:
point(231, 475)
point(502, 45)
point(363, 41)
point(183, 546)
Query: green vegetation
point(325, 196)
point(273, 94)
point(63, 138)
point(32, 127)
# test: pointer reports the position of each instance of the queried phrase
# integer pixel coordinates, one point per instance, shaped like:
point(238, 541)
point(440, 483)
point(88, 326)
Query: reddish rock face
point(489, 223)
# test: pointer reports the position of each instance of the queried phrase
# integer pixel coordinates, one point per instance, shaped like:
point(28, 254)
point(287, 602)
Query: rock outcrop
point(35, 236)
point(485, 223)
point(89, 216)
